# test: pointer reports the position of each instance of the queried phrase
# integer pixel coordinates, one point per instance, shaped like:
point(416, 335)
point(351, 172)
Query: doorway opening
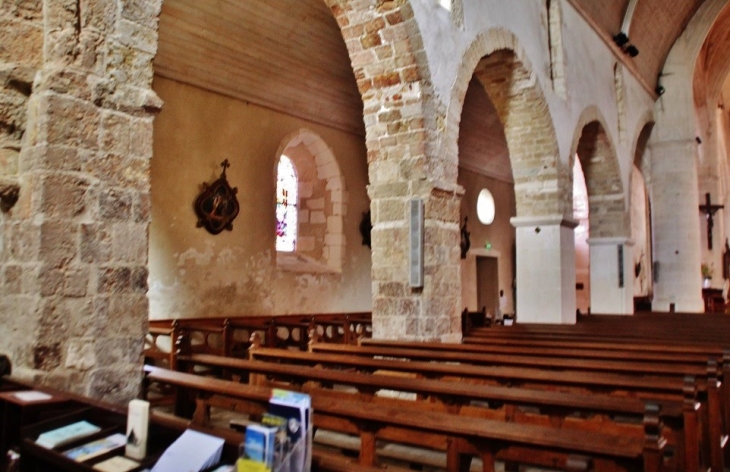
point(488, 283)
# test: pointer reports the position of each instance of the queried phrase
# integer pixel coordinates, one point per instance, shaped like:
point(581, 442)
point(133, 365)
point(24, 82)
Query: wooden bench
point(488, 439)
point(707, 382)
point(683, 328)
point(642, 352)
point(232, 334)
point(629, 352)
point(159, 345)
point(679, 414)
point(554, 407)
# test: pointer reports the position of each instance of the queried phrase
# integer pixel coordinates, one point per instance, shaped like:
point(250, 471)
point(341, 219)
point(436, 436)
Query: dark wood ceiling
point(713, 64)
point(482, 144)
point(287, 55)
point(654, 27)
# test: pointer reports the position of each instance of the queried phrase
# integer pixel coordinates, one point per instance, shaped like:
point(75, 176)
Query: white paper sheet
point(191, 452)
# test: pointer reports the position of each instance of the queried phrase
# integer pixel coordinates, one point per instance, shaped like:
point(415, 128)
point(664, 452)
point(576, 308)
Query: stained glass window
point(580, 198)
point(286, 205)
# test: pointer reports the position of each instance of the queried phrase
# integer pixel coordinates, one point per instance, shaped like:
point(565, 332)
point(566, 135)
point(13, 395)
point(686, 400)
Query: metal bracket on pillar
point(620, 266)
point(416, 243)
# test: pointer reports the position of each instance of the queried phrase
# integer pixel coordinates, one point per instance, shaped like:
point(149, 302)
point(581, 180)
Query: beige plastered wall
point(195, 274)
point(500, 234)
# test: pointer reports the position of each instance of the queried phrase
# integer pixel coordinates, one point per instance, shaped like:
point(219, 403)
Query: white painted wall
point(590, 83)
point(589, 65)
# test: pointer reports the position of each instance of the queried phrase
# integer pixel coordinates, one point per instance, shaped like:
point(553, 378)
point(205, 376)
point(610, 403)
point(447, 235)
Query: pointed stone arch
point(606, 197)
point(389, 82)
point(498, 61)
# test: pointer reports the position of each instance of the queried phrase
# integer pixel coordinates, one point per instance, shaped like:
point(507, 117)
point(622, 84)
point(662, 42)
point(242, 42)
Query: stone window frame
point(322, 205)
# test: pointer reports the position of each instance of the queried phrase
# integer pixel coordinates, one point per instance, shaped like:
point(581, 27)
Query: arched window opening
point(287, 186)
point(581, 213)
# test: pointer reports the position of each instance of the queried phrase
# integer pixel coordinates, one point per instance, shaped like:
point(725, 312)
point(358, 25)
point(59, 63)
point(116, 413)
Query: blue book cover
point(280, 447)
point(61, 436)
point(96, 448)
point(255, 444)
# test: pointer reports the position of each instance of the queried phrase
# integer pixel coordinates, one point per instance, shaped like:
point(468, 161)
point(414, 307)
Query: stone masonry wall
point(75, 245)
point(608, 215)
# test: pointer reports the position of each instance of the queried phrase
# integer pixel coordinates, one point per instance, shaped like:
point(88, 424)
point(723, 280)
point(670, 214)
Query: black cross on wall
point(709, 210)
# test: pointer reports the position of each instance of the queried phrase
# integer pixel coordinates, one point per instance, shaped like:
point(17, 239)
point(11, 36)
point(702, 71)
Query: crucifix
point(709, 210)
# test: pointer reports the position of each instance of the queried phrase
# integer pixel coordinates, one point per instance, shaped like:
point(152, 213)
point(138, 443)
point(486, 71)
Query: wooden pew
point(680, 413)
point(234, 333)
point(708, 383)
point(474, 319)
point(629, 352)
point(684, 328)
point(489, 439)
point(555, 407)
point(159, 344)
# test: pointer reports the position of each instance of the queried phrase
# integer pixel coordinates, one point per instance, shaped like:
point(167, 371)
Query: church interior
point(518, 211)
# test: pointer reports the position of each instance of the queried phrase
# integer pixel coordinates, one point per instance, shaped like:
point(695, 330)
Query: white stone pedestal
point(612, 292)
point(676, 229)
point(545, 270)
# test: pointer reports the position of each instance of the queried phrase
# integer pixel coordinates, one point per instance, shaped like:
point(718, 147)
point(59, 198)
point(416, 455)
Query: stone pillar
point(400, 311)
point(545, 269)
point(612, 292)
point(78, 239)
point(677, 239)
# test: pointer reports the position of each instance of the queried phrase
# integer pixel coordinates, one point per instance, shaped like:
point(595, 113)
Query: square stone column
point(612, 291)
point(676, 229)
point(74, 248)
point(545, 269)
point(401, 311)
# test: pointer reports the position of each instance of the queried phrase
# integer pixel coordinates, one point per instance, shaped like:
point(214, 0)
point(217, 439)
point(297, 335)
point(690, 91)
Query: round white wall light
point(485, 207)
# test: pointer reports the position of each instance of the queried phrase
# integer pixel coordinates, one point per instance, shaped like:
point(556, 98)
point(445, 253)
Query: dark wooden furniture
point(714, 301)
point(17, 413)
point(409, 423)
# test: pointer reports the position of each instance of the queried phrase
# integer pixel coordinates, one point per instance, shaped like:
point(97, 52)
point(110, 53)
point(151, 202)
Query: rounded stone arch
point(640, 140)
point(322, 200)
point(640, 207)
point(401, 116)
point(392, 97)
point(639, 145)
point(498, 61)
point(592, 144)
